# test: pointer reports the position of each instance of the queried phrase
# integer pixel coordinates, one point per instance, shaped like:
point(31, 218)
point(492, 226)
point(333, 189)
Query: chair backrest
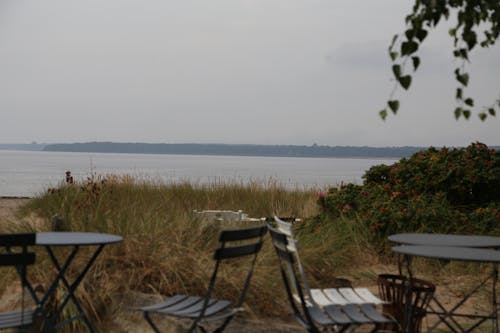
point(11, 256)
point(15, 254)
point(237, 243)
point(19, 239)
point(287, 229)
point(292, 278)
point(17, 259)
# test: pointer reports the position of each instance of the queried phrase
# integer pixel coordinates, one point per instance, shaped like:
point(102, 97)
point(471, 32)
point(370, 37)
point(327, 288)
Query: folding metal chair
point(326, 296)
point(331, 316)
point(238, 243)
point(16, 255)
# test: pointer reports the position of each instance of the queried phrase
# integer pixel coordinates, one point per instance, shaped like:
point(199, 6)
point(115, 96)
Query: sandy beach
point(8, 206)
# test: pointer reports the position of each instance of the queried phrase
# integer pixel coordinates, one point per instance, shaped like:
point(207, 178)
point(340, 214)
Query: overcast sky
point(228, 71)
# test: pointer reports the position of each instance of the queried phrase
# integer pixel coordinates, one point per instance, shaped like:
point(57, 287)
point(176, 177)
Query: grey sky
point(227, 71)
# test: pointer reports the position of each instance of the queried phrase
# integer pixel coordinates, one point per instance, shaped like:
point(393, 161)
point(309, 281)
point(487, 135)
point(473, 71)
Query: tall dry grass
point(168, 250)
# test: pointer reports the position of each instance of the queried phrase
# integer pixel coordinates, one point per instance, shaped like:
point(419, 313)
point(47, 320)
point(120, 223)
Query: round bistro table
point(74, 241)
point(466, 254)
point(446, 240)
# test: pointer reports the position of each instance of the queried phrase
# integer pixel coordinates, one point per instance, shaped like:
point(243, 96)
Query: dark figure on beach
point(69, 177)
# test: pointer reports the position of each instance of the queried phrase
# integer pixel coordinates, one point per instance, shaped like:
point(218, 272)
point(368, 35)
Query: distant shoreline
point(236, 150)
point(314, 151)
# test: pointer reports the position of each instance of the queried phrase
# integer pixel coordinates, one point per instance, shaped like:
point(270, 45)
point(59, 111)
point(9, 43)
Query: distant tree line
point(21, 146)
point(236, 149)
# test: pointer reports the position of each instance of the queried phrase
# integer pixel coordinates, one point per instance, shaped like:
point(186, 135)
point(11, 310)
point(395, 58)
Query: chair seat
point(189, 307)
point(343, 296)
point(321, 318)
point(370, 311)
point(240, 244)
point(16, 318)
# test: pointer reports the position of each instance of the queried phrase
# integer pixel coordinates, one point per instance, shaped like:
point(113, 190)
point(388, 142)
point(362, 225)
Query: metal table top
point(75, 238)
point(446, 240)
point(449, 253)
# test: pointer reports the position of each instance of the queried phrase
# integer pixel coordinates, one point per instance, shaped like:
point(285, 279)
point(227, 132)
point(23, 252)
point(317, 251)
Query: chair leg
point(224, 324)
point(150, 322)
point(329, 329)
point(195, 326)
point(343, 328)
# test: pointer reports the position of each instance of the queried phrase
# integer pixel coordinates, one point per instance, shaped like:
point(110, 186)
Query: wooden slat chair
point(14, 253)
point(336, 317)
point(322, 297)
point(237, 243)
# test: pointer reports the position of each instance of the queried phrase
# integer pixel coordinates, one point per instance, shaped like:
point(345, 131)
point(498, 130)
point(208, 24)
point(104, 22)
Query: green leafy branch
point(472, 15)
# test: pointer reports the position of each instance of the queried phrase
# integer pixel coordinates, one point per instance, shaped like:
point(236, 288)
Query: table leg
point(444, 315)
point(494, 299)
point(407, 297)
point(400, 264)
point(70, 287)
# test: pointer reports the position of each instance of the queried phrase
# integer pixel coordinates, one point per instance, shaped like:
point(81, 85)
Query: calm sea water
point(29, 173)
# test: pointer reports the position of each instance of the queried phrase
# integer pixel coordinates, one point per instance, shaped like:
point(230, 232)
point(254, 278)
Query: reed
point(167, 250)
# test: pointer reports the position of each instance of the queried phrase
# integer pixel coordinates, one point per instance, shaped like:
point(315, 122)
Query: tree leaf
point(469, 101)
point(394, 39)
point(464, 54)
point(436, 18)
point(421, 34)
point(417, 21)
point(383, 114)
point(405, 81)
point(408, 47)
point(492, 112)
point(470, 38)
point(396, 69)
point(459, 93)
point(393, 105)
point(416, 62)
point(463, 78)
point(410, 33)
point(466, 114)
point(446, 13)
point(458, 113)
point(393, 55)
point(482, 116)
point(461, 53)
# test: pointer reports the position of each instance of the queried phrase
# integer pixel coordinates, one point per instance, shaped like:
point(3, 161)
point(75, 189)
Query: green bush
point(446, 190)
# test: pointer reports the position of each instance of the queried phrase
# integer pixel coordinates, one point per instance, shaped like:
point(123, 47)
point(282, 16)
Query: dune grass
point(167, 250)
